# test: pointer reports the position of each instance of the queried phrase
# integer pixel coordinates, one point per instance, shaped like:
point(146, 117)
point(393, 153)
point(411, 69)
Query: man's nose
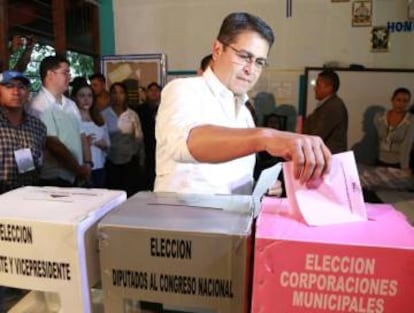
point(249, 67)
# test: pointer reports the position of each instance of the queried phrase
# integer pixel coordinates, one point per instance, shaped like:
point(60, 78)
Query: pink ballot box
point(365, 266)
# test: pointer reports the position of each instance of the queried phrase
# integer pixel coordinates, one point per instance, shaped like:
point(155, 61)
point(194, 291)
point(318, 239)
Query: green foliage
point(80, 64)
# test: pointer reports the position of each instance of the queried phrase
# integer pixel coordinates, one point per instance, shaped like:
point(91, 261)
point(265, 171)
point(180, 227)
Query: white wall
point(318, 31)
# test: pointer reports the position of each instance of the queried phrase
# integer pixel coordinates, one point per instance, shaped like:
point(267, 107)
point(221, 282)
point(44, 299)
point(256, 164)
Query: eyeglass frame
point(248, 57)
point(65, 73)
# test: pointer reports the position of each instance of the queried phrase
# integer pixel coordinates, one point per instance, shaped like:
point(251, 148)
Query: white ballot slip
point(334, 199)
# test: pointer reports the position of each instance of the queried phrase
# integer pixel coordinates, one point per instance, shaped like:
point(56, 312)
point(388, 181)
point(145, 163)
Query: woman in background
point(95, 129)
point(395, 129)
point(125, 160)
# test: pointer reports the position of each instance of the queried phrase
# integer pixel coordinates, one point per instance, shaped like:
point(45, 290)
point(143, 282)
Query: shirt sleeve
point(407, 145)
point(177, 115)
point(40, 109)
point(48, 119)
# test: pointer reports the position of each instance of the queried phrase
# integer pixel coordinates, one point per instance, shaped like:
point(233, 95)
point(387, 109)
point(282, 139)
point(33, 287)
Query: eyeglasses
point(246, 57)
point(64, 73)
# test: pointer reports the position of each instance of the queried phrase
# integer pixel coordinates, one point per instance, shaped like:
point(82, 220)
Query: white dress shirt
point(62, 120)
point(185, 104)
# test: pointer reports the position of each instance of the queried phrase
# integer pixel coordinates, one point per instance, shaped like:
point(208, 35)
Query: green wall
point(106, 28)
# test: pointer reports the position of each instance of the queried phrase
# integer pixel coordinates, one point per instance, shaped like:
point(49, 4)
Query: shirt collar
point(51, 98)
point(324, 100)
point(3, 114)
point(219, 90)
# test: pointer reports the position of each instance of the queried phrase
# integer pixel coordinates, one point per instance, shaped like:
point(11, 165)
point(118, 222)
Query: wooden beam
point(59, 25)
point(94, 26)
point(4, 30)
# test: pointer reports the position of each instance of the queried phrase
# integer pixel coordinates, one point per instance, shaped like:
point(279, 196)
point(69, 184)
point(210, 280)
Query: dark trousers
point(128, 176)
point(98, 177)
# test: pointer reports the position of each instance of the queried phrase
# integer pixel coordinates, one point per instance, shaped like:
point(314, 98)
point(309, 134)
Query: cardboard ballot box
point(48, 243)
point(355, 267)
point(165, 252)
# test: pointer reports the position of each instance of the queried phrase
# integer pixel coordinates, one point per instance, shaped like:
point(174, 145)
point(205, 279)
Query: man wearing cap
point(22, 140)
point(22, 136)
point(67, 156)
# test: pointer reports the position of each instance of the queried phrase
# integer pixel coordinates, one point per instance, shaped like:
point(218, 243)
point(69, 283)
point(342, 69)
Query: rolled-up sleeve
point(177, 116)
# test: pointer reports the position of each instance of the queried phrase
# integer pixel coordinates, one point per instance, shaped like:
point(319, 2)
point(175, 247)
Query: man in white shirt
point(67, 154)
point(206, 139)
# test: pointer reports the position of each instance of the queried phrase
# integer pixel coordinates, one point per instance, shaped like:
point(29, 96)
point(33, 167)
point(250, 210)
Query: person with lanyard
point(206, 137)
point(22, 140)
point(67, 159)
point(22, 136)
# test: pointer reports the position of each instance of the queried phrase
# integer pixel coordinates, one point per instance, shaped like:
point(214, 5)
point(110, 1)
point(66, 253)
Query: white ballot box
point(48, 244)
point(166, 252)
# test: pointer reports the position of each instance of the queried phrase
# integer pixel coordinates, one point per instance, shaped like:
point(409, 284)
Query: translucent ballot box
point(165, 252)
point(48, 244)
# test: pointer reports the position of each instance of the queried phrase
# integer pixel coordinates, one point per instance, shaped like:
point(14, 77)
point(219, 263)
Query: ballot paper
point(335, 198)
point(266, 179)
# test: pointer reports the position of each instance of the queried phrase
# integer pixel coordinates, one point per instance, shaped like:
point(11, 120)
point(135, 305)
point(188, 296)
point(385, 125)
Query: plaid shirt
point(31, 133)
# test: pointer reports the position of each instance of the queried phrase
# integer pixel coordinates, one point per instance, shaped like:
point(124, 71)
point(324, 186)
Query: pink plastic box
point(363, 267)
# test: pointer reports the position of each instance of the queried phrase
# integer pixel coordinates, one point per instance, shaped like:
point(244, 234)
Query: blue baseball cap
point(7, 76)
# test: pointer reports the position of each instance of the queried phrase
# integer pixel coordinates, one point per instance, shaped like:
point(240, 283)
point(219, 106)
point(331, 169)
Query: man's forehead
point(250, 40)
point(14, 81)
point(64, 65)
point(97, 81)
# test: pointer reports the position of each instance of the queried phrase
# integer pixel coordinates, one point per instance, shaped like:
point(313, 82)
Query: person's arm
point(214, 144)
point(406, 147)
point(86, 152)
point(65, 158)
point(24, 59)
point(104, 142)
point(182, 136)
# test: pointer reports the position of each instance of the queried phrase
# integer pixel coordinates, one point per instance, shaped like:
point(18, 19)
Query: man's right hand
point(311, 158)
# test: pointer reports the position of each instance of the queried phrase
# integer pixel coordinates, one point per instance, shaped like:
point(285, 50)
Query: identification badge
point(24, 160)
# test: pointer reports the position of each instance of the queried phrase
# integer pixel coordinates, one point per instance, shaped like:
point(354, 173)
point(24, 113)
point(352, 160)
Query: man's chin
point(14, 106)
point(240, 91)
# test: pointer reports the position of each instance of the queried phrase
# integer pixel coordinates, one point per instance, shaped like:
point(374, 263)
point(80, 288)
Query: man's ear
point(217, 49)
point(48, 73)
